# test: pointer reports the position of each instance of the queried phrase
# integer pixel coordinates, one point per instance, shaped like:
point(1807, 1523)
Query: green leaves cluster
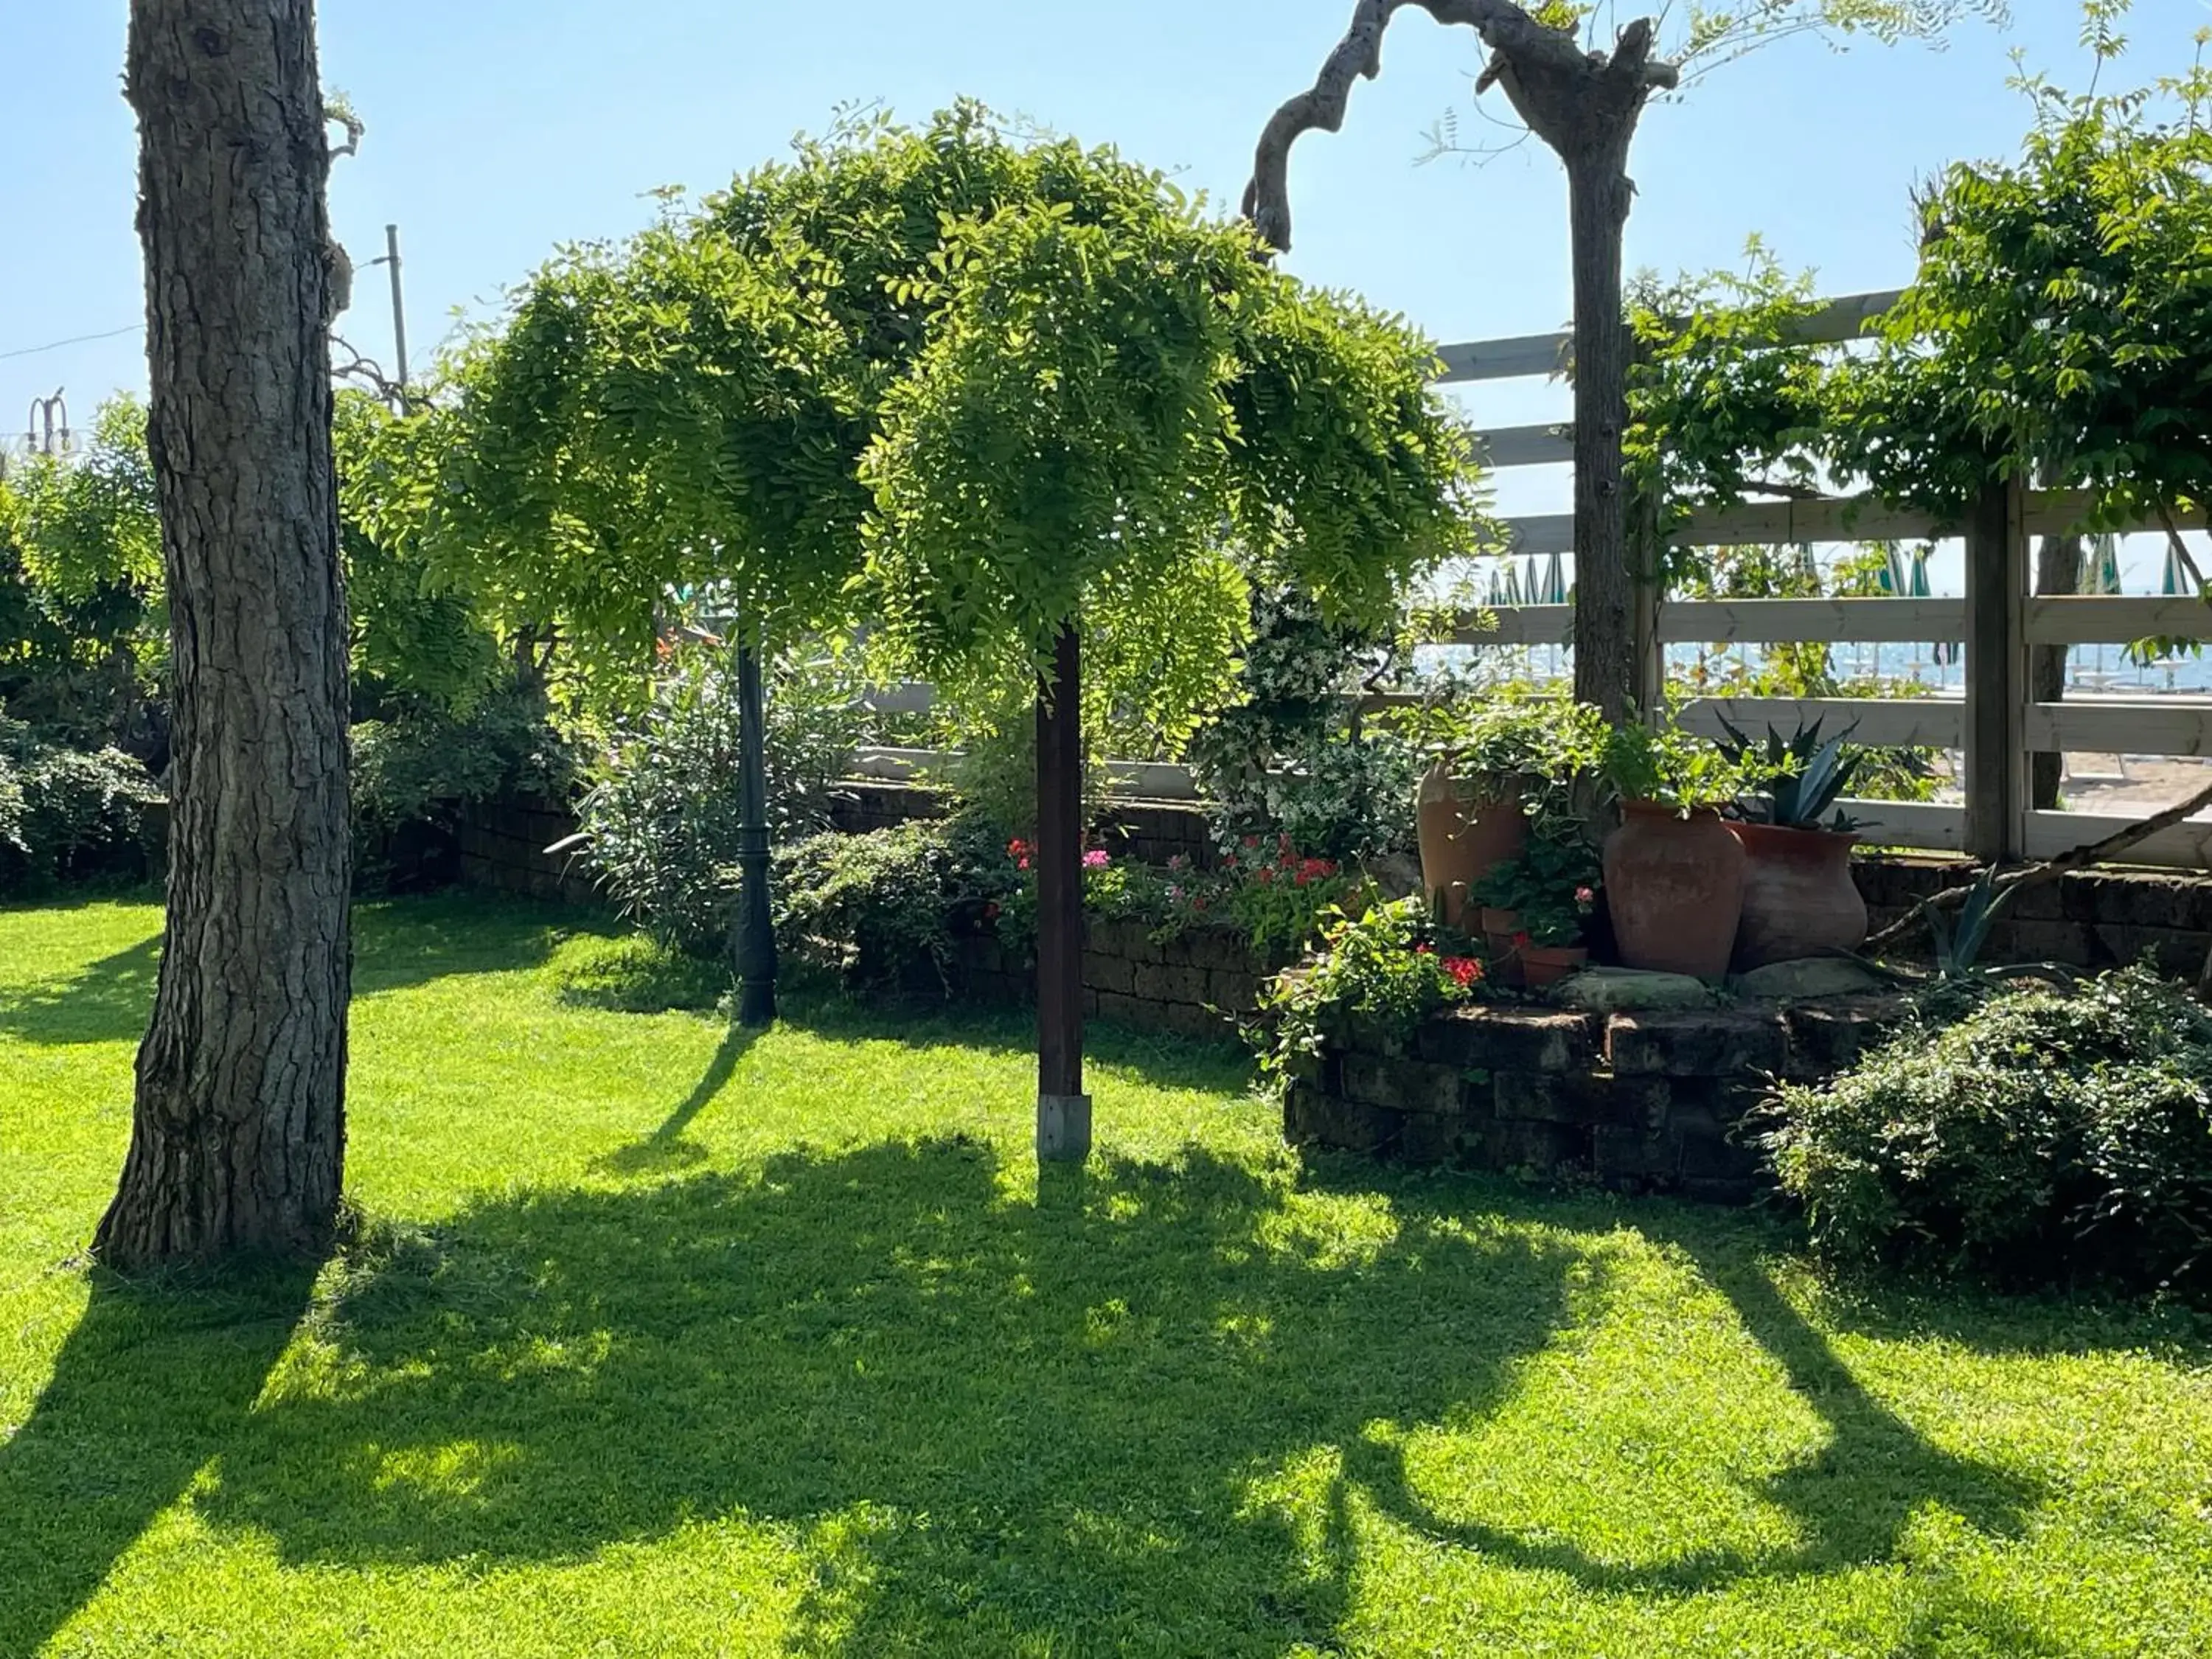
point(2054, 331)
point(955, 386)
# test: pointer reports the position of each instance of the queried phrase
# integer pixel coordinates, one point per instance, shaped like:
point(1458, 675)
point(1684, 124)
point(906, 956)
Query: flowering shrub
point(1381, 968)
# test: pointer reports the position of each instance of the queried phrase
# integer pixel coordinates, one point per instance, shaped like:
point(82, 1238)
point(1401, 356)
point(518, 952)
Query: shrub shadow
point(1031, 1421)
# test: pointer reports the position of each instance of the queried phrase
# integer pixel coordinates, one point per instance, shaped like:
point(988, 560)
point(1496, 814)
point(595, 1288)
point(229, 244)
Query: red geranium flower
point(1464, 970)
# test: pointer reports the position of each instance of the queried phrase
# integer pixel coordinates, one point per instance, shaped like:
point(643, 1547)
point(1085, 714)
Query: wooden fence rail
point(1995, 722)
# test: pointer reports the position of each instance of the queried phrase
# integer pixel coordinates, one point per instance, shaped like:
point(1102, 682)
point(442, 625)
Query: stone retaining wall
point(502, 846)
point(2088, 918)
point(1198, 983)
point(1649, 1101)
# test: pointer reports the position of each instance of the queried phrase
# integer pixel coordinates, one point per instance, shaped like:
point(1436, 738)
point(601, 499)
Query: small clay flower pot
point(1501, 931)
point(1547, 964)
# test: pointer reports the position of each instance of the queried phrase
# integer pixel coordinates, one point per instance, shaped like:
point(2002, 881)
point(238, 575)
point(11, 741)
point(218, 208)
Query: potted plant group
point(1674, 870)
point(1493, 769)
point(1799, 899)
point(1540, 903)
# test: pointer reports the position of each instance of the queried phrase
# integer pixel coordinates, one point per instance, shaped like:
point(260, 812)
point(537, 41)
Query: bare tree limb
point(1544, 72)
point(2039, 875)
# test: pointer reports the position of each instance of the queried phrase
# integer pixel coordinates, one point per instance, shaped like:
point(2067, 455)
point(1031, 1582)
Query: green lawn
point(661, 1342)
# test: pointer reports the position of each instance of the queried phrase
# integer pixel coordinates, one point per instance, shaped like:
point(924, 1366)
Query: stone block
point(1624, 990)
point(1110, 972)
point(1311, 1118)
point(1408, 1085)
point(1172, 982)
point(1718, 1044)
point(1626, 1157)
point(1828, 1038)
point(1120, 1009)
point(1476, 1037)
point(1425, 1138)
point(1540, 1148)
point(1090, 1003)
point(1233, 991)
point(1808, 980)
point(1716, 1158)
point(1555, 1097)
point(2021, 940)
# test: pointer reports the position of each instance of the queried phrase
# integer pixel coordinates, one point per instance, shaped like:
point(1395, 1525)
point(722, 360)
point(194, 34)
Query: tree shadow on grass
point(396, 944)
point(667, 1148)
point(1224, 1066)
point(995, 1425)
point(1851, 1503)
point(151, 1384)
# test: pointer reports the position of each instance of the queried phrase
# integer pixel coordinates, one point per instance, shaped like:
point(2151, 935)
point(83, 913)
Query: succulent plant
point(1804, 776)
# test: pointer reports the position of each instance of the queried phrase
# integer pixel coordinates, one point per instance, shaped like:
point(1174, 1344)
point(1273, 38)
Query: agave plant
point(1805, 775)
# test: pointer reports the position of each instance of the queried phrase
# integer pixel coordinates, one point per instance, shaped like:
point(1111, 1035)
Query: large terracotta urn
point(1674, 885)
point(1799, 899)
point(1468, 826)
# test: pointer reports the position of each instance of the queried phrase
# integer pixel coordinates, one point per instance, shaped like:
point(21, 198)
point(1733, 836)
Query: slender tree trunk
point(239, 1132)
point(1606, 669)
point(754, 926)
point(1063, 1124)
point(2058, 570)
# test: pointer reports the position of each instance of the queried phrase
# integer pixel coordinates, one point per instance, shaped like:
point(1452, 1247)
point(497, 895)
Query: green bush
point(1386, 971)
point(2047, 1135)
point(67, 814)
point(661, 821)
point(872, 909)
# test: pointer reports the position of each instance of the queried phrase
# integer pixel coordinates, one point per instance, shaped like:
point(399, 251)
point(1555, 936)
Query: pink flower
point(991, 910)
point(1425, 950)
point(1585, 895)
point(1097, 859)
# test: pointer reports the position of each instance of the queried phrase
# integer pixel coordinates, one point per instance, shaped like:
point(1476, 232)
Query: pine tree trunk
point(2058, 570)
point(1605, 670)
point(239, 1130)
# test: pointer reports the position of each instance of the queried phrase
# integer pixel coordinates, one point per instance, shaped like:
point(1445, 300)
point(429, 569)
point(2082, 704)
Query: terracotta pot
point(1799, 899)
point(1468, 827)
point(1675, 888)
point(1500, 924)
point(1547, 964)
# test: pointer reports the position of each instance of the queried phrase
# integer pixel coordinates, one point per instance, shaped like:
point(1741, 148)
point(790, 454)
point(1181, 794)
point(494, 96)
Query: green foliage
point(83, 632)
point(1284, 758)
point(1275, 897)
point(2049, 330)
point(68, 814)
point(659, 824)
point(1799, 777)
point(968, 386)
point(1552, 886)
point(1380, 971)
point(422, 758)
point(873, 910)
point(1669, 768)
point(2048, 1135)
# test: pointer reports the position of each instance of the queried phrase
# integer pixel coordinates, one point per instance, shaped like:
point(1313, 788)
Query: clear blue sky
point(498, 128)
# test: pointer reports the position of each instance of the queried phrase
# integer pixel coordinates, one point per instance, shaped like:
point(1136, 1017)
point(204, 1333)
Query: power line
point(78, 339)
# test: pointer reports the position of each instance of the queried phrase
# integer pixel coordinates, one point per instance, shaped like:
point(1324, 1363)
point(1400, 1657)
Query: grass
point(659, 1341)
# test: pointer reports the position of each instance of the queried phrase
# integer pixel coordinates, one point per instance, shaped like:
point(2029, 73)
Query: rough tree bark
point(1585, 106)
point(239, 1130)
point(2058, 570)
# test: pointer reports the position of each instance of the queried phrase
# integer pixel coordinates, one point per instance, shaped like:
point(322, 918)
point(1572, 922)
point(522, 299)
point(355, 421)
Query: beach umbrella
point(2101, 567)
point(1555, 582)
point(2174, 581)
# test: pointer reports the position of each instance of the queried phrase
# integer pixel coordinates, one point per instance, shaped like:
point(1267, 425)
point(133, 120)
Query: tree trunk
point(753, 928)
point(1606, 669)
point(2058, 570)
point(239, 1130)
point(1063, 1124)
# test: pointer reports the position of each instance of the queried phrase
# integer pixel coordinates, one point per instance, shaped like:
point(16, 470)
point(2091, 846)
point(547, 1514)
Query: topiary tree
point(1584, 103)
point(1009, 403)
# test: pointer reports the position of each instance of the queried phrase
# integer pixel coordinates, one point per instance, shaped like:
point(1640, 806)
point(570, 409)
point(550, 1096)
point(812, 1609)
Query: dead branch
point(366, 370)
point(1550, 80)
point(2039, 875)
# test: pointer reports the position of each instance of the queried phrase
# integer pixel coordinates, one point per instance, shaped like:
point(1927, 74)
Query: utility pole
point(399, 312)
